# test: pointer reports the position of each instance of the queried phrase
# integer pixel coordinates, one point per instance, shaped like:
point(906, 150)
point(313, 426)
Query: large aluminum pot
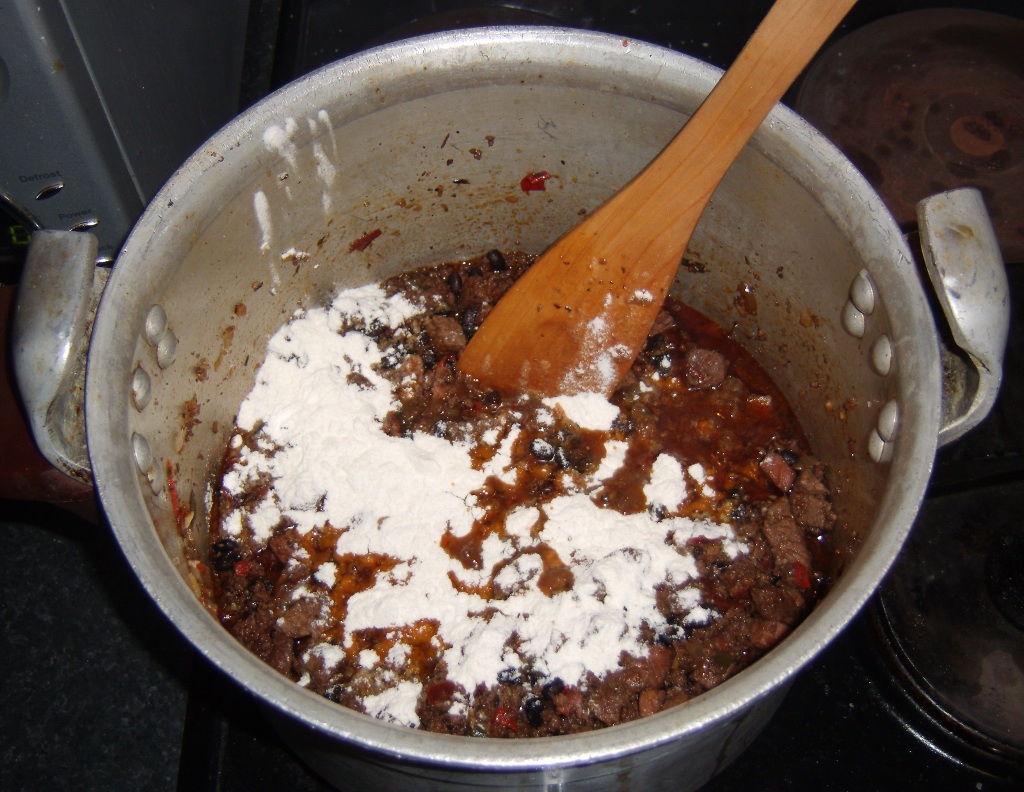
point(427, 141)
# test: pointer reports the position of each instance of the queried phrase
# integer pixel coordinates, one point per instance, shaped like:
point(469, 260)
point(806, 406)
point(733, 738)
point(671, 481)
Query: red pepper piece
point(506, 719)
point(177, 509)
point(242, 568)
point(534, 181)
point(172, 490)
point(365, 240)
point(801, 576)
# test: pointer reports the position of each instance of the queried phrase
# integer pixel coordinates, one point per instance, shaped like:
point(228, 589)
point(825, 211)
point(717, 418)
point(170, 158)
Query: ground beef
point(692, 393)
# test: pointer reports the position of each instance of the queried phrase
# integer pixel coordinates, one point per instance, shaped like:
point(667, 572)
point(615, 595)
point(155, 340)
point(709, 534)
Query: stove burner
point(927, 101)
point(951, 611)
point(1004, 576)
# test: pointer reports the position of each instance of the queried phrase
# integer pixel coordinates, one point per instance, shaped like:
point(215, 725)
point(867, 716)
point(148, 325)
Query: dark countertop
point(95, 680)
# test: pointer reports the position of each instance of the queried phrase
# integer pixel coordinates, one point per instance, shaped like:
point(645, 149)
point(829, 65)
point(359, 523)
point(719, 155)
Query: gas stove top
point(924, 690)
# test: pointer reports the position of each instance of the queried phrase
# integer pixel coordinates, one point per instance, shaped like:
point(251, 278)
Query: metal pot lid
point(927, 101)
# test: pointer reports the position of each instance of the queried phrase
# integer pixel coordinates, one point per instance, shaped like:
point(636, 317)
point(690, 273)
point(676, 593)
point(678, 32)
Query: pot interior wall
point(429, 149)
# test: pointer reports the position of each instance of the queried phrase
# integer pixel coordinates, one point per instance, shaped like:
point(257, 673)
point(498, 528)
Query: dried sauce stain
point(202, 370)
point(534, 182)
point(364, 241)
point(227, 336)
point(745, 300)
point(189, 421)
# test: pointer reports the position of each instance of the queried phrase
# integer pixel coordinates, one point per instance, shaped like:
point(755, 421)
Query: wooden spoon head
point(573, 323)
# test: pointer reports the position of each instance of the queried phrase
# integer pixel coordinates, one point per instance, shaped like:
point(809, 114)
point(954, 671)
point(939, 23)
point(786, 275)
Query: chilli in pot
point(415, 153)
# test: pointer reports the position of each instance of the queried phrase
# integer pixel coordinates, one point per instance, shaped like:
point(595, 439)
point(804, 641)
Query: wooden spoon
point(575, 321)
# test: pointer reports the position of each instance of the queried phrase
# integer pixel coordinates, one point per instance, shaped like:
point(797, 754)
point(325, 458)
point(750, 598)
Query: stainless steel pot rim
point(818, 165)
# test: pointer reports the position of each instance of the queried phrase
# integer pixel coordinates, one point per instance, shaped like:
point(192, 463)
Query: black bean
point(429, 359)
point(740, 512)
point(790, 457)
point(497, 261)
point(672, 633)
point(261, 583)
point(533, 709)
point(623, 425)
point(470, 321)
point(542, 449)
point(224, 554)
point(509, 676)
point(492, 398)
point(222, 563)
point(455, 283)
point(552, 688)
point(661, 360)
point(655, 343)
point(392, 357)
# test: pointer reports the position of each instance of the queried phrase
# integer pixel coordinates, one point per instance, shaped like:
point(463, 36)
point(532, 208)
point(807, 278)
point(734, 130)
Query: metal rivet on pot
point(853, 320)
point(881, 355)
point(862, 293)
point(888, 420)
point(878, 449)
point(142, 454)
point(156, 324)
point(142, 389)
point(166, 349)
point(156, 481)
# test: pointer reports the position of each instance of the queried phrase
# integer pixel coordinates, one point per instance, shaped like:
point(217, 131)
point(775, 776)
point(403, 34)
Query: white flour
point(323, 446)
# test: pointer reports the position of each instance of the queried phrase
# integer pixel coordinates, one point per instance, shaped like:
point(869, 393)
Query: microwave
point(100, 101)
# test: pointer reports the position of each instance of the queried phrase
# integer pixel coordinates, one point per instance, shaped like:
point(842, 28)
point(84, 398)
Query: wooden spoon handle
point(653, 209)
point(577, 319)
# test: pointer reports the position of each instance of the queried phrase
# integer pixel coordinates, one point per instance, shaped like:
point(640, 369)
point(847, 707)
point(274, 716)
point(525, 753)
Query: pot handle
point(963, 260)
point(56, 301)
